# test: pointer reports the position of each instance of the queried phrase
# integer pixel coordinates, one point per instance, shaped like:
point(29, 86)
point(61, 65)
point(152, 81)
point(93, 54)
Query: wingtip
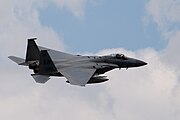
point(33, 38)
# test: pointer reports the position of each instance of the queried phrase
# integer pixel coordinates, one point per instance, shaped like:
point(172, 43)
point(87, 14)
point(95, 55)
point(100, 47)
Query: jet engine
point(34, 66)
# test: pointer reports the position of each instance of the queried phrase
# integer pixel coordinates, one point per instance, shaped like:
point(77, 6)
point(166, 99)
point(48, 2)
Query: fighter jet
point(78, 70)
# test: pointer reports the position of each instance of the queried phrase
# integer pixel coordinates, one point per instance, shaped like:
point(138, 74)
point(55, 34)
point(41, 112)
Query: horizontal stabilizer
point(40, 78)
point(19, 61)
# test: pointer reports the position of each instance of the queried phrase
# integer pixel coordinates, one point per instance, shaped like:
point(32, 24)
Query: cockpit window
point(120, 56)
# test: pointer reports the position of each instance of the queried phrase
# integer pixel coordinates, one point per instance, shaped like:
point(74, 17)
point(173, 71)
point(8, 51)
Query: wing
point(77, 76)
point(57, 55)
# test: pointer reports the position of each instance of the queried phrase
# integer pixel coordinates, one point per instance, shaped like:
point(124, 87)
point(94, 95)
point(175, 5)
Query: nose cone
point(140, 63)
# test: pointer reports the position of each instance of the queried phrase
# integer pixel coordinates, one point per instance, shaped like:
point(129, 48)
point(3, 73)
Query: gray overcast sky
point(148, 30)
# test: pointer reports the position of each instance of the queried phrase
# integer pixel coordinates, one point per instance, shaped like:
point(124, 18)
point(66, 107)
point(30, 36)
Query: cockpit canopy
point(119, 56)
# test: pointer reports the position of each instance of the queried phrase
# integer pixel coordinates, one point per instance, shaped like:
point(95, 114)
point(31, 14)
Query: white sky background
point(148, 93)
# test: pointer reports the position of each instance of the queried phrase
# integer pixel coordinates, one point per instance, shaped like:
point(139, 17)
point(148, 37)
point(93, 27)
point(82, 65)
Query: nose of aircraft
point(140, 63)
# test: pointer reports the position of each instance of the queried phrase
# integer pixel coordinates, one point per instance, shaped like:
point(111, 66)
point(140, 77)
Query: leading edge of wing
point(77, 76)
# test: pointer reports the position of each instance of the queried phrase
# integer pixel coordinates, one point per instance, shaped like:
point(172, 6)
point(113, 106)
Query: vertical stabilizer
point(46, 65)
point(33, 52)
